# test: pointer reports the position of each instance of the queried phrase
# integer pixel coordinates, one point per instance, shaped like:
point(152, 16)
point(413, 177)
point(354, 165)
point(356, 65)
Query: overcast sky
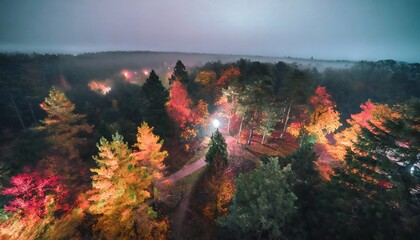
point(323, 29)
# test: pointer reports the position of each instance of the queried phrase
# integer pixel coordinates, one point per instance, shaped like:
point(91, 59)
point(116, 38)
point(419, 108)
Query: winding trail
point(187, 170)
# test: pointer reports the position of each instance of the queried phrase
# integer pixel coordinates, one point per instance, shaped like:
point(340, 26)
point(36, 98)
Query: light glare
point(216, 123)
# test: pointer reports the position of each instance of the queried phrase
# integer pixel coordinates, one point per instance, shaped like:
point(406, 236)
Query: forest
point(239, 149)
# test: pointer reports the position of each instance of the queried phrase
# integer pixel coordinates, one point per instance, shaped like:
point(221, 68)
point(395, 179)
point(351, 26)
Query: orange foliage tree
point(322, 121)
point(120, 191)
point(150, 154)
point(372, 116)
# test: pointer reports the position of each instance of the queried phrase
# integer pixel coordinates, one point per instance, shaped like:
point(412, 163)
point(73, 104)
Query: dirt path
point(179, 217)
point(187, 170)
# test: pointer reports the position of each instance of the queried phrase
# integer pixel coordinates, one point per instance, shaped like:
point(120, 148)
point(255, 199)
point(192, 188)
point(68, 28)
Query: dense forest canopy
point(301, 152)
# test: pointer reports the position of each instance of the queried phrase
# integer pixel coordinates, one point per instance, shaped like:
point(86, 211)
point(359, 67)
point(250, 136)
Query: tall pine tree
point(66, 133)
point(62, 125)
point(120, 191)
point(263, 203)
point(180, 73)
point(216, 156)
point(156, 97)
point(377, 182)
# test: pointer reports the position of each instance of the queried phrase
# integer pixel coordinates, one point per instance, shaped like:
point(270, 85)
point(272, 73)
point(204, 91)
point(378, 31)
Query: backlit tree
point(216, 156)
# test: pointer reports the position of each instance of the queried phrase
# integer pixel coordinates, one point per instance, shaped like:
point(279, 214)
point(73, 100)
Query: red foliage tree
point(364, 116)
point(200, 113)
point(35, 194)
point(179, 104)
point(229, 75)
point(179, 108)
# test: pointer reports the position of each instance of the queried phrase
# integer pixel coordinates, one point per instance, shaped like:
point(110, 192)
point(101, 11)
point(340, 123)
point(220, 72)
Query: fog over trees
point(203, 149)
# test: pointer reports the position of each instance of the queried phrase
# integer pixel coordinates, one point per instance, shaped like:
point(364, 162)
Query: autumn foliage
point(120, 190)
point(323, 119)
point(206, 78)
point(35, 194)
point(229, 75)
point(181, 110)
point(62, 124)
point(372, 116)
point(150, 153)
point(179, 105)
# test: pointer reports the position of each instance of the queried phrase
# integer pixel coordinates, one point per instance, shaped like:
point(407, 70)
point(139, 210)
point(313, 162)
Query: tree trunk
point(263, 139)
point(260, 233)
point(17, 111)
point(284, 113)
point(30, 106)
point(228, 125)
point(32, 110)
point(287, 119)
point(240, 130)
point(251, 132)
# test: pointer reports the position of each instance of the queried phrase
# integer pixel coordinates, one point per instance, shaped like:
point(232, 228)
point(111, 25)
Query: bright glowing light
point(216, 123)
point(127, 74)
point(146, 72)
point(100, 87)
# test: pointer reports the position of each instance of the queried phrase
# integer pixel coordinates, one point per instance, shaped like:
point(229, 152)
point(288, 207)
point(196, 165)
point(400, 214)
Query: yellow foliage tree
point(206, 78)
point(324, 119)
point(62, 124)
point(120, 191)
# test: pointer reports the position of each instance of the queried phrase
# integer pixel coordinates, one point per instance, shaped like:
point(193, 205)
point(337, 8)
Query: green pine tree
point(156, 97)
point(263, 204)
point(180, 73)
point(376, 192)
point(216, 156)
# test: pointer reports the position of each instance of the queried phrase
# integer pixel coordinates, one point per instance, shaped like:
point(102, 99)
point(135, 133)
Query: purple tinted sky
point(325, 29)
